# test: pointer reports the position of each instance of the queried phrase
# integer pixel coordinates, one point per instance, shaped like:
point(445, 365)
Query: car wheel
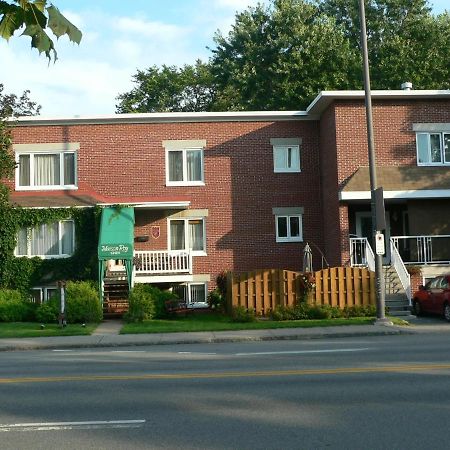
point(417, 309)
point(447, 312)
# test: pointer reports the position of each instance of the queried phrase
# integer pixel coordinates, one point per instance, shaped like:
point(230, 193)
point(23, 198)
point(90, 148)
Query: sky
point(119, 37)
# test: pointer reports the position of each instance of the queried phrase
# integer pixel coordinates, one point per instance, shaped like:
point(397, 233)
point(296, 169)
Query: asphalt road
point(389, 392)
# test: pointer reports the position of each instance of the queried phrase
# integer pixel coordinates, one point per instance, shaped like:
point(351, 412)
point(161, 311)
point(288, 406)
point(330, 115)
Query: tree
point(189, 88)
point(281, 56)
point(37, 18)
point(11, 106)
point(405, 41)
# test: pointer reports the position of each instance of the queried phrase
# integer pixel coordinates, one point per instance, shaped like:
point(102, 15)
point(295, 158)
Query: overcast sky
point(119, 37)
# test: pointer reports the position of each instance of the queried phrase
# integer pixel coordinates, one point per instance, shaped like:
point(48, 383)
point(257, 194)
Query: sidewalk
point(106, 335)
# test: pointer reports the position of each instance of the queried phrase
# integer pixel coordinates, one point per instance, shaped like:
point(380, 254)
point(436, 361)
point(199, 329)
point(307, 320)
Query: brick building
point(245, 190)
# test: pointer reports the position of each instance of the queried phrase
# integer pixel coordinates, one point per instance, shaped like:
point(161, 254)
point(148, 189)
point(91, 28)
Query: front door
point(364, 229)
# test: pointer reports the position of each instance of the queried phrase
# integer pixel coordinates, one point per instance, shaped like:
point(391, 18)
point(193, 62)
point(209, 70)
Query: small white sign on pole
point(379, 244)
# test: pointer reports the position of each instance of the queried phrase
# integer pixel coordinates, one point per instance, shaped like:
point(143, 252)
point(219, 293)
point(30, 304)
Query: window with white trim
point(289, 228)
point(286, 158)
point(194, 294)
point(184, 167)
point(433, 148)
point(46, 170)
point(187, 234)
point(49, 240)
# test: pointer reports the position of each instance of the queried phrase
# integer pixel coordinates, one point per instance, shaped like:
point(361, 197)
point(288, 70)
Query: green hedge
point(14, 307)
point(305, 311)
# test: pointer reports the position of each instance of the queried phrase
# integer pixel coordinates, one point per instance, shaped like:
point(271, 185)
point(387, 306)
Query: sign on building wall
point(156, 231)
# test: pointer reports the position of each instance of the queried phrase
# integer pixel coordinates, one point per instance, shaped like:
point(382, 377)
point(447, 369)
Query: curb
point(170, 339)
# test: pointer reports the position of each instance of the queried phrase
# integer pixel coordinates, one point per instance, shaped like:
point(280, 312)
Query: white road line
point(62, 350)
point(128, 351)
point(196, 353)
point(54, 426)
point(302, 352)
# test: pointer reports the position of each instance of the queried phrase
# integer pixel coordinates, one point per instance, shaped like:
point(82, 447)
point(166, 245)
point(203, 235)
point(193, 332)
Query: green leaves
point(32, 15)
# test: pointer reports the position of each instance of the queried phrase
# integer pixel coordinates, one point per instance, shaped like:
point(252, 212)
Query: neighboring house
point(240, 191)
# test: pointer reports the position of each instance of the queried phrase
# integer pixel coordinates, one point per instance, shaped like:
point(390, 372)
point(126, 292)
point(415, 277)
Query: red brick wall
point(240, 186)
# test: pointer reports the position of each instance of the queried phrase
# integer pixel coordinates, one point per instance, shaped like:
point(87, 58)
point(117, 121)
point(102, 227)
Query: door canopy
point(116, 240)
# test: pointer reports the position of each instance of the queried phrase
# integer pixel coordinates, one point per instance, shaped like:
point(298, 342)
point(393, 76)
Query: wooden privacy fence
point(264, 290)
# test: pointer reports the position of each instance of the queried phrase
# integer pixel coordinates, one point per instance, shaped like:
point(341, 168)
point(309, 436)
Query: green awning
point(116, 240)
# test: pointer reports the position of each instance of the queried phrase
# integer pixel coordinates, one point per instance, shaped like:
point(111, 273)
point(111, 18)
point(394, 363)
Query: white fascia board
point(409, 194)
point(175, 117)
point(151, 205)
point(325, 98)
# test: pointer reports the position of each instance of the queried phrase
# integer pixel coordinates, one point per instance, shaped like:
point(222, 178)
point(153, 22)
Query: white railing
point(361, 254)
point(162, 262)
point(423, 249)
point(400, 268)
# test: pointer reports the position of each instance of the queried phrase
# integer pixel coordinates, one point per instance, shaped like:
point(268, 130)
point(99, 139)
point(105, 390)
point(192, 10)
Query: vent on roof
point(407, 86)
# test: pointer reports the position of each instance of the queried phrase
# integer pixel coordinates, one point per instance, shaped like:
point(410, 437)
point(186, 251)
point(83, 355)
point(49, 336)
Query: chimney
point(406, 86)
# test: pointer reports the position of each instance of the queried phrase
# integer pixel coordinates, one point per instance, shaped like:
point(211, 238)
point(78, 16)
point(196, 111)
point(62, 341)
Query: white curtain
point(46, 169)
point(196, 234)
point(44, 240)
point(24, 170)
point(177, 241)
point(69, 168)
point(67, 229)
point(175, 166)
point(194, 165)
point(22, 241)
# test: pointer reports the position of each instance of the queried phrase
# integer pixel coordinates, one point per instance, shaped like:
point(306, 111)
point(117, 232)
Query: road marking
point(127, 351)
point(196, 353)
point(204, 375)
point(53, 426)
point(302, 352)
point(62, 350)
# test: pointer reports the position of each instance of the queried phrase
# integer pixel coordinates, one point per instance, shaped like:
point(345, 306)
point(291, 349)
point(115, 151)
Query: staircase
point(115, 294)
point(396, 299)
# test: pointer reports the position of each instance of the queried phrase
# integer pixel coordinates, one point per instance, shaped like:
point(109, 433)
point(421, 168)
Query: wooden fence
point(264, 290)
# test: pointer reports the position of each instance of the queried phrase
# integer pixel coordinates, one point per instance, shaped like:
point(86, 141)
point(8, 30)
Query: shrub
point(216, 300)
point(141, 304)
point(221, 281)
point(82, 302)
point(14, 307)
point(242, 315)
point(48, 312)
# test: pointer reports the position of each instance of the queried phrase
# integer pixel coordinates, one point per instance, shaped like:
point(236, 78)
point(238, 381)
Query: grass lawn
point(31, 329)
point(222, 323)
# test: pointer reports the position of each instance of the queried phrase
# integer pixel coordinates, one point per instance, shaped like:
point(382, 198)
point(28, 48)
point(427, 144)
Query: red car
point(434, 297)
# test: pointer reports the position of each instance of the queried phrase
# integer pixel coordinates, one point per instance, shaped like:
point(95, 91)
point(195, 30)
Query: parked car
point(434, 297)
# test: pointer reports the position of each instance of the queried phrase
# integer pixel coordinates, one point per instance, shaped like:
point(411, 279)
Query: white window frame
point(44, 292)
point(441, 134)
point(289, 238)
point(285, 149)
point(186, 221)
point(185, 181)
point(188, 294)
point(46, 149)
point(60, 255)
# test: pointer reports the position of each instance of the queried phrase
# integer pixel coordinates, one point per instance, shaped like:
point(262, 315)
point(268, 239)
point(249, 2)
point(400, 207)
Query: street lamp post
point(376, 202)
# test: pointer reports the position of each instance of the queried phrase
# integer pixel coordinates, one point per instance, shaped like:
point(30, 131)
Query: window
point(50, 240)
point(286, 158)
point(288, 228)
point(46, 170)
point(184, 167)
point(433, 148)
point(187, 234)
point(194, 294)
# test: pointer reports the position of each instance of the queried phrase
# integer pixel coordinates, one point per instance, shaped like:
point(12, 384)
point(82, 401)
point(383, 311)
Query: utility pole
point(377, 204)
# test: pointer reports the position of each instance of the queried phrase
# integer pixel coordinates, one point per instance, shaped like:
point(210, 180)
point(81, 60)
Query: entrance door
point(364, 229)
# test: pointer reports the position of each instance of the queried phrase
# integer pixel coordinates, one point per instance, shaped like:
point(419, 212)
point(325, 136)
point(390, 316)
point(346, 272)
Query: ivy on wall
point(23, 273)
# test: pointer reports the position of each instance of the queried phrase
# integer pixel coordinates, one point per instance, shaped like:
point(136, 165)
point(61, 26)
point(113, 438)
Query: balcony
point(162, 266)
point(432, 249)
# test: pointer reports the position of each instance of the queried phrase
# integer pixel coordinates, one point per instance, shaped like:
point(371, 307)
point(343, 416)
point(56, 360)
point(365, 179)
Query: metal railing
point(431, 249)
point(400, 268)
point(361, 253)
point(162, 262)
